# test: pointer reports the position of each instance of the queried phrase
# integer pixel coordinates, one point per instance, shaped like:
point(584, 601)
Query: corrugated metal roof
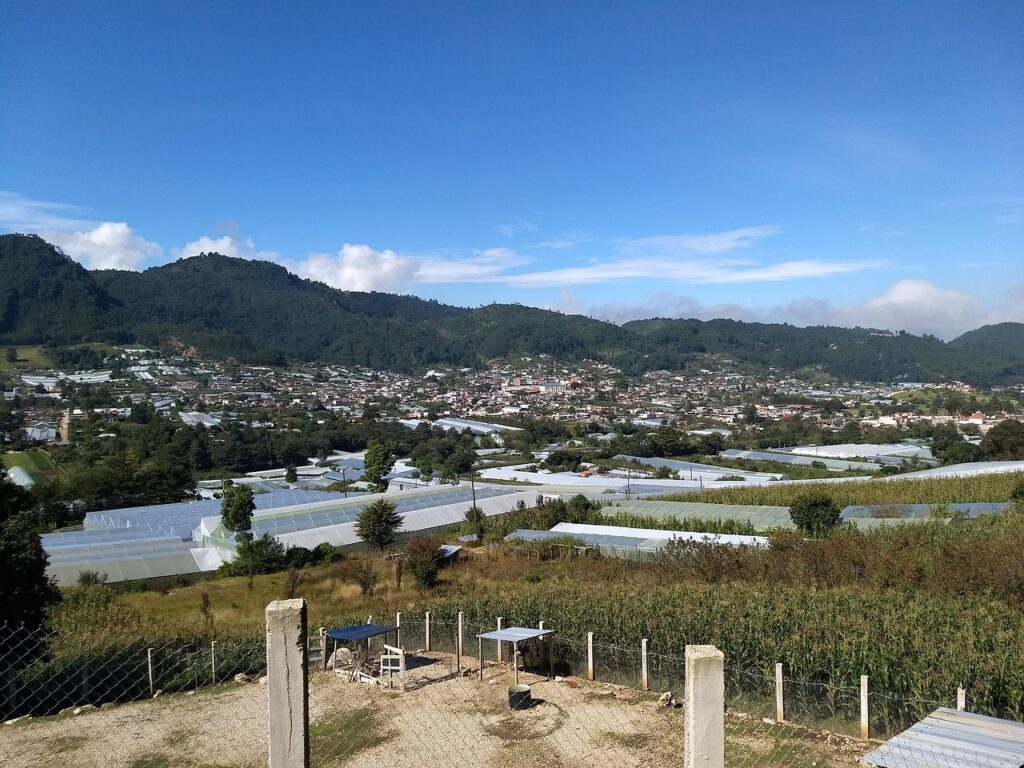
point(951, 738)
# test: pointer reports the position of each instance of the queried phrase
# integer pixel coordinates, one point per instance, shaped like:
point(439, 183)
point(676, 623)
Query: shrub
point(424, 558)
point(814, 513)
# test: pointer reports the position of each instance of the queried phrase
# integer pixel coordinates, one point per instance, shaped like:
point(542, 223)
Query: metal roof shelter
point(517, 635)
point(951, 738)
point(358, 632)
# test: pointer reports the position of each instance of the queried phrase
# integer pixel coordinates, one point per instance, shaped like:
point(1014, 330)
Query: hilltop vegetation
point(257, 312)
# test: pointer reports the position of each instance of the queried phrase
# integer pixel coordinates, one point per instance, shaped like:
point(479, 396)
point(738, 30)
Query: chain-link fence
point(197, 702)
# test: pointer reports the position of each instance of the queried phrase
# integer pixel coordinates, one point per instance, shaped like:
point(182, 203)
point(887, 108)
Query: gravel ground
point(442, 718)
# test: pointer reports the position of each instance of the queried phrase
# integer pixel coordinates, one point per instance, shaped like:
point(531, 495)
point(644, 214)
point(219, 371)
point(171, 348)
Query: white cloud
point(110, 245)
point(486, 266)
point(916, 306)
point(225, 246)
point(97, 245)
point(360, 268)
point(690, 245)
point(516, 228)
point(21, 214)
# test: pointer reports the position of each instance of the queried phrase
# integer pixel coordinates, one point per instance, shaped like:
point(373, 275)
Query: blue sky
point(807, 162)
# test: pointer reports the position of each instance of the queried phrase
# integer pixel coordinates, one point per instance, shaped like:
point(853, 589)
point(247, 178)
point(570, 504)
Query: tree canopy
point(237, 507)
point(378, 523)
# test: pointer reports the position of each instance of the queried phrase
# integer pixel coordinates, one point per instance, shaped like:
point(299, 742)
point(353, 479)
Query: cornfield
point(932, 490)
point(912, 646)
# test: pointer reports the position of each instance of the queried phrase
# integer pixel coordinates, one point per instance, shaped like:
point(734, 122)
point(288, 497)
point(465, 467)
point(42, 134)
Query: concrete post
point(426, 631)
point(213, 661)
point(780, 702)
point(961, 699)
point(480, 655)
point(501, 619)
point(705, 708)
point(287, 684)
point(458, 645)
point(323, 647)
point(865, 721)
point(590, 656)
point(149, 665)
point(398, 629)
point(644, 682)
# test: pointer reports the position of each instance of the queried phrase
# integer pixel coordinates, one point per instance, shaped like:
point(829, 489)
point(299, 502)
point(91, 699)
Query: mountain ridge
point(259, 312)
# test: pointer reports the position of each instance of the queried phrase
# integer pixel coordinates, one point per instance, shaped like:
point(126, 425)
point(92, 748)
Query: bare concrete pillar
point(961, 699)
point(705, 708)
point(865, 717)
point(590, 655)
point(287, 684)
point(398, 629)
point(458, 644)
point(780, 702)
point(645, 683)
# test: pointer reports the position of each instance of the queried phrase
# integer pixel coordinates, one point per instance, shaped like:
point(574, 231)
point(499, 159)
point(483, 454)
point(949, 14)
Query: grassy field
point(936, 490)
point(34, 461)
point(28, 357)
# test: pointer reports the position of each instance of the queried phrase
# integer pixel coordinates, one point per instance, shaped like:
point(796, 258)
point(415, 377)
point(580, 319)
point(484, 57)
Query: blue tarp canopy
point(359, 632)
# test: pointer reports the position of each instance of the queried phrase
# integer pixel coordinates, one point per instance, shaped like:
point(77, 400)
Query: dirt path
point(442, 718)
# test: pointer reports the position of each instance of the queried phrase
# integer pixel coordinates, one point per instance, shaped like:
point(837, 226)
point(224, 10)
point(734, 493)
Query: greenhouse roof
point(761, 517)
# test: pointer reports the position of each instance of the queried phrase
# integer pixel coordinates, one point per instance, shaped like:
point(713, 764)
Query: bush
point(366, 578)
point(814, 513)
point(424, 558)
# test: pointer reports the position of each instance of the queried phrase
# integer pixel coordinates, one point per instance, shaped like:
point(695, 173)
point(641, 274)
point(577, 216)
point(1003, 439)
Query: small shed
point(948, 737)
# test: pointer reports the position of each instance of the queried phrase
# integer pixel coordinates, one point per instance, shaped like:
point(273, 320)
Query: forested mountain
point(1002, 340)
point(855, 353)
point(258, 312)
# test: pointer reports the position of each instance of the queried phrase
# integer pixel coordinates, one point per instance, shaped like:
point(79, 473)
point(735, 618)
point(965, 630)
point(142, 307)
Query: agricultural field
point(879, 491)
point(35, 461)
point(27, 357)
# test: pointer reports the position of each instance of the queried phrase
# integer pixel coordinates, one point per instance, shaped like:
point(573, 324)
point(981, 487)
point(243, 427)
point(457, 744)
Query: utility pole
point(344, 480)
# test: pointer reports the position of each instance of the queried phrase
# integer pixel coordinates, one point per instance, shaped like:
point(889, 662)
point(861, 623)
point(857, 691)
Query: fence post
point(458, 645)
point(426, 631)
point(213, 661)
point(865, 722)
point(323, 648)
point(501, 620)
point(704, 733)
point(398, 629)
point(961, 699)
point(287, 682)
point(780, 702)
point(149, 665)
point(590, 656)
point(644, 683)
